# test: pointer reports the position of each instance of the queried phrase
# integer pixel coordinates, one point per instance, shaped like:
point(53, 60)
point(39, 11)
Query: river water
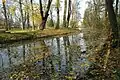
point(58, 58)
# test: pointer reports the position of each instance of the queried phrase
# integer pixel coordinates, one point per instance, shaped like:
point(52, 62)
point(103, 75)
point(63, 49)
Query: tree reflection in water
point(45, 59)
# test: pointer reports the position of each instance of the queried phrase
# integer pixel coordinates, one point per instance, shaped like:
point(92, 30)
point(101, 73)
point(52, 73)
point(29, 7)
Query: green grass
point(17, 35)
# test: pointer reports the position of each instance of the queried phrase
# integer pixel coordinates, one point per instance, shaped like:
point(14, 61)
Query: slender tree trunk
point(27, 14)
point(33, 26)
point(73, 10)
point(51, 18)
point(25, 18)
point(58, 20)
point(28, 21)
point(69, 13)
point(21, 11)
point(64, 15)
point(105, 9)
point(9, 19)
point(113, 20)
point(5, 14)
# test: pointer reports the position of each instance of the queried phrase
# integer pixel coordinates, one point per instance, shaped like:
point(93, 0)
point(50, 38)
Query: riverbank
point(104, 59)
point(14, 36)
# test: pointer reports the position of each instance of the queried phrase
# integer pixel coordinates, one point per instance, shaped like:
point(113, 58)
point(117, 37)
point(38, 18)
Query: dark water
point(44, 59)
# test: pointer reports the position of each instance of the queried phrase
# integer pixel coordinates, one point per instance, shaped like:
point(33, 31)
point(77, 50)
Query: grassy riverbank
point(17, 35)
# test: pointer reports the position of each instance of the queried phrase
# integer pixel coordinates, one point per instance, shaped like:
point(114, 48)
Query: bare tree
point(44, 17)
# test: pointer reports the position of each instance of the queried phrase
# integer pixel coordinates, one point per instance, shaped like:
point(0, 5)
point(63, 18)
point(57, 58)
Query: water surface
point(44, 59)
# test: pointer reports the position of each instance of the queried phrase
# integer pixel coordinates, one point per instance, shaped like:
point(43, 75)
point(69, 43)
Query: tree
point(95, 15)
point(69, 12)
point(28, 16)
point(52, 22)
point(37, 19)
point(113, 21)
point(44, 16)
point(33, 26)
point(75, 14)
point(5, 14)
point(21, 11)
point(64, 15)
point(57, 7)
point(11, 11)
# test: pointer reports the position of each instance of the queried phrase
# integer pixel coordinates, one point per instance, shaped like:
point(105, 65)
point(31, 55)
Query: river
point(57, 58)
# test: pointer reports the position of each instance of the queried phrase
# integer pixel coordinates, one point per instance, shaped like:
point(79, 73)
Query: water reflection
point(45, 59)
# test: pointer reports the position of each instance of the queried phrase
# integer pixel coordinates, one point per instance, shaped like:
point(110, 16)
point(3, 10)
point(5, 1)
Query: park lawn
point(17, 35)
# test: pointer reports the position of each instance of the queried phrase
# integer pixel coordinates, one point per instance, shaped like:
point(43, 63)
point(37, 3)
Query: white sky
point(83, 6)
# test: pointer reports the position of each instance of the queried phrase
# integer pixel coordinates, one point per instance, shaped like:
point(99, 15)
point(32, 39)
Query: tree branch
point(48, 7)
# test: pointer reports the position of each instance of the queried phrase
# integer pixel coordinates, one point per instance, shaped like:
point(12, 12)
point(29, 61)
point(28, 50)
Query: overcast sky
point(83, 5)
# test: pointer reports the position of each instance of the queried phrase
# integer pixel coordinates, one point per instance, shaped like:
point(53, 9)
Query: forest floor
point(104, 58)
point(18, 35)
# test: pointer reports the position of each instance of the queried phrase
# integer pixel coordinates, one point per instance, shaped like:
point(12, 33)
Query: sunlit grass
point(17, 34)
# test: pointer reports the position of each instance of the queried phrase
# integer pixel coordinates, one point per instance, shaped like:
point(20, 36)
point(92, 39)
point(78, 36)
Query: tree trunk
point(25, 18)
point(113, 20)
point(21, 11)
point(58, 20)
point(44, 17)
point(69, 13)
point(33, 26)
point(27, 15)
point(5, 14)
point(9, 19)
point(43, 24)
point(51, 18)
point(64, 15)
point(28, 21)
